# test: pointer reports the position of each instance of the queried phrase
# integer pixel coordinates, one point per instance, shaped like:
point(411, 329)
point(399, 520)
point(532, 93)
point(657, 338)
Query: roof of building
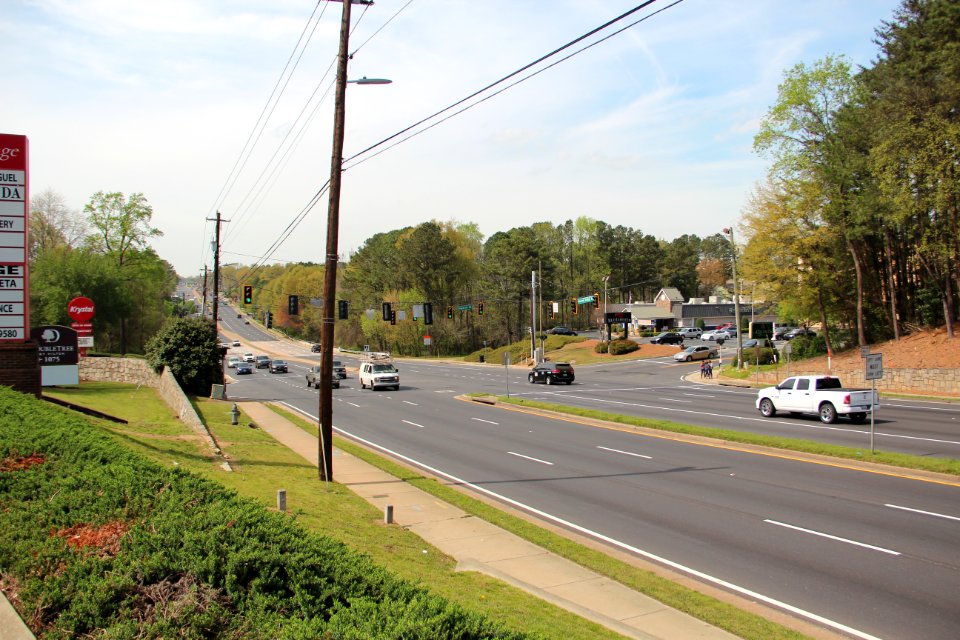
point(672, 293)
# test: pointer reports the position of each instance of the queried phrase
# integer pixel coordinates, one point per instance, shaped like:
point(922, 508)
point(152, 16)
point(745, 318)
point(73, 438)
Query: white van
point(690, 332)
point(378, 374)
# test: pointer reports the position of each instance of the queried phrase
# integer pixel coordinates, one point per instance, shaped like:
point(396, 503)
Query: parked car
point(799, 331)
point(315, 347)
point(235, 343)
point(552, 373)
point(763, 343)
point(244, 368)
point(690, 332)
point(779, 332)
point(313, 378)
point(562, 331)
point(278, 366)
point(725, 326)
point(716, 335)
point(262, 362)
point(248, 357)
point(339, 371)
point(698, 352)
point(232, 362)
point(822, 395)
point(667, 337)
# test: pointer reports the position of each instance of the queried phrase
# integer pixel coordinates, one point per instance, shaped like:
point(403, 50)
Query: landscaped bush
point(619, 347)
point(99, 541)
point(807, 347)
point(600, 347)
point(750, 356)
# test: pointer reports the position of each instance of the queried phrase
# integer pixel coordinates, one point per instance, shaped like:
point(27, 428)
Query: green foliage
point(191, 559)
point(190, 349)
point(765, 355)
point(619, 347)
point(601, 347)
point(807, 347)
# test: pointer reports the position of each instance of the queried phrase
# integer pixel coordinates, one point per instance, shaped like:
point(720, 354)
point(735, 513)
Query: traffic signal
point(293, 305)
point(247, 294)
point(427, 313)
point(269, 322)
point(386, 311)
point(342, 311)
point(573, 306)
point(479, 308)
point(450, 313)
point(596, 300)
point(393, 317)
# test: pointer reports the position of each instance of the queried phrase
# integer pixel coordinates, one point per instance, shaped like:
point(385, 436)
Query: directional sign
point(586, 300)
point(874, 366)
point(465, 307)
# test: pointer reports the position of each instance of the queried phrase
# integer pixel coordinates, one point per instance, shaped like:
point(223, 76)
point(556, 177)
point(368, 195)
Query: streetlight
point(325, 456)
point(606, 283)
point(736, 295)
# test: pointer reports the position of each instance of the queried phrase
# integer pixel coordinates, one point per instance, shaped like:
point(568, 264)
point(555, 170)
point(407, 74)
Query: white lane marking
point(675, 400)
point(698, 395)
point(413, 403)
point(444, 391)
point(520, 455)
point(796, 423)
point(626, 453)
point(353, 404)
point(487, 421)
point(412, 423)
point(837, 538)
point(926, 513)
point(809, 615)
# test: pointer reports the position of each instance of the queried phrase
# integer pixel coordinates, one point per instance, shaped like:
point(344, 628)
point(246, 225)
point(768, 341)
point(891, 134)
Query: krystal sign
point(81, 309)
point(14, 222)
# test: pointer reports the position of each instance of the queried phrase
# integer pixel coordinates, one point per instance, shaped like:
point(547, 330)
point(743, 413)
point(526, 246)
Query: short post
point(234, 414)
point(281, 500)
point(388, 514)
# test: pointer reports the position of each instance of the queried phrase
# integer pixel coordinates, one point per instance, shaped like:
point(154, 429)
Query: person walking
point(703, 369)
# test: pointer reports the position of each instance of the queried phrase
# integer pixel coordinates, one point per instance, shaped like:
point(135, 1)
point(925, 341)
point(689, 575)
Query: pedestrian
point(709, 369)
point(703, 369)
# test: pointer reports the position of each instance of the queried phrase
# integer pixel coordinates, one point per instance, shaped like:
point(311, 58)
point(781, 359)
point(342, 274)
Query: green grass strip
point(701, 606)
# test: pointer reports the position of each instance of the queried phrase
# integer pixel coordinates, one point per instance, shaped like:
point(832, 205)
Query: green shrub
point(807, 347)
point(189, 347)
point(619, 347)
point(766, 356)
point(600, 347)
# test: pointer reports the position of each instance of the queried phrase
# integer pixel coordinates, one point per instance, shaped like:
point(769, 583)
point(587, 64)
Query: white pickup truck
point(822, 395)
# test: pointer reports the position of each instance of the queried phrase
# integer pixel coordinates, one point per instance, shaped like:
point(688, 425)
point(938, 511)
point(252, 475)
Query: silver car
point(698, 352)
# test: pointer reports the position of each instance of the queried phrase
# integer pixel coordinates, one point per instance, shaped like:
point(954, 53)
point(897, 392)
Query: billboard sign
point(14, 223)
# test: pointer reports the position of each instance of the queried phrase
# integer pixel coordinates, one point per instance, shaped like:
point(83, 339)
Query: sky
point(650, 129)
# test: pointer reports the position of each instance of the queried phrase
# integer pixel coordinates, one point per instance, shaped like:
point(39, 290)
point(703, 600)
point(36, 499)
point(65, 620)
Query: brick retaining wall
point(924, 382)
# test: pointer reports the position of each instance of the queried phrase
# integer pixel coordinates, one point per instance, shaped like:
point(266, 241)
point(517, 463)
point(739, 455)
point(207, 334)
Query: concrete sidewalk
point(480, 546)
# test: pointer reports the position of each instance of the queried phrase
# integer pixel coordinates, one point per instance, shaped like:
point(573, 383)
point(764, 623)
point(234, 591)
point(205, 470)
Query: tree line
point(856, 225)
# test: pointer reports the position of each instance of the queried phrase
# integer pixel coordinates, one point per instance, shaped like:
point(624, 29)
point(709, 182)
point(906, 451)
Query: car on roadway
point(667, 337)
point(235, 343)
point(246, 322)
point(339, 371)
point(378, 374)
point(552, 373)
point(698, 352)
point(244, 368)
point(278, 366)
point(313, 378)
point(716, 335)
point(262, 362)
point(248, 357)
point(763, 343)
point(779, 332)
point(315, 347)
point(239, 316)
point(232, 362)
point(690, 332)
point(799, 332)
point(562, 331)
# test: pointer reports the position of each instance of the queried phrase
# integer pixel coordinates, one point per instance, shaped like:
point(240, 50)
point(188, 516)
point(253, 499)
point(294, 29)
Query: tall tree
point(53, 223)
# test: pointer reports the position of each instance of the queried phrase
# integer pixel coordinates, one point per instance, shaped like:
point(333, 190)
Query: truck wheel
point(767, 410)
point(858, 418)
point(828, 414)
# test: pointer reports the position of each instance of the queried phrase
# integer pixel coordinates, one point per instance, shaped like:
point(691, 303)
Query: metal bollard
point(234, 414)
point(281, 499)
point(388, 514)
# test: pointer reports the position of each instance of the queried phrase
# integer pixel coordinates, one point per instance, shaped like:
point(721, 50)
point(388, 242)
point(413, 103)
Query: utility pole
point(325, 454)
point(203, 301)
point(533, 316)
point(216, 270)
point(736, 295)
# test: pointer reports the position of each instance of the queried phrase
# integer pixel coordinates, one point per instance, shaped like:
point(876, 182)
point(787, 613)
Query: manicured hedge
point(619, 347)
point(179, 555)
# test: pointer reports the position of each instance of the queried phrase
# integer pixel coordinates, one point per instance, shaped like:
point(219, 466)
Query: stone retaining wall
point(136, 371)
point(924, 382)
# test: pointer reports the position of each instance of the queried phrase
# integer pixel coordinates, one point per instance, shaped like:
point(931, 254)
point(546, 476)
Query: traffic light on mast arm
point(480, 308)
point(596, 300)
point(247, 294)
point(293, 305)
point(449, 313)
point(573, 306)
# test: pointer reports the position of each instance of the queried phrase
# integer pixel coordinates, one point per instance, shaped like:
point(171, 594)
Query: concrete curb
point(12, 627)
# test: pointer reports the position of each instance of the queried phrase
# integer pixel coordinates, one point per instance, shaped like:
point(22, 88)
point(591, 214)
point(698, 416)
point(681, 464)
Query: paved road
point(868, 554)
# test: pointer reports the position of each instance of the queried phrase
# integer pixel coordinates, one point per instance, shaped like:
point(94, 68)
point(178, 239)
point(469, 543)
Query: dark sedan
point(278, 366)
point(243, 368)
point(667, 337)
point(562, 331)
point(552, 373)
point(799, 332)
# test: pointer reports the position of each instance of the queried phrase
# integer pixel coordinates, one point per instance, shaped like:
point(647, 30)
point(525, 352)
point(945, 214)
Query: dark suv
point(562, 331)
point(552, 373)
point(667, 337)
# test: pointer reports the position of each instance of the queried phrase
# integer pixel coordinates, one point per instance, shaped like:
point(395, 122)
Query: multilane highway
point(867, 554)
